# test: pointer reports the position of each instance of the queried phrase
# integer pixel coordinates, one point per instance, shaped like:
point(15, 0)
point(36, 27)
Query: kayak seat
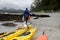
point(7, 34)
point(26, 33)
point(2, 33)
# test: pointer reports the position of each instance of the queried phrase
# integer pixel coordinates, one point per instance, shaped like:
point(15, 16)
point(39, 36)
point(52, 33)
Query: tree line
point(45, 5)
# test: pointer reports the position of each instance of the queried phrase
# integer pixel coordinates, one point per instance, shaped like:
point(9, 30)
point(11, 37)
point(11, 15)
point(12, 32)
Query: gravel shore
point(51, 26)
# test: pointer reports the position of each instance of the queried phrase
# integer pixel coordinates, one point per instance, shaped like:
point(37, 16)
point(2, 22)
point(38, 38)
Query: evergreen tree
point(54, 4)
point(46, 5)
point(35, 5)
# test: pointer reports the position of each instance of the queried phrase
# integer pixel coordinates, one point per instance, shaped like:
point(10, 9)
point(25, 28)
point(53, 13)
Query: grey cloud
point(18, 4)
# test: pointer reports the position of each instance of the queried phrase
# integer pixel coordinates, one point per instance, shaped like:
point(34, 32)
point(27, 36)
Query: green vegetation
point(45, 5)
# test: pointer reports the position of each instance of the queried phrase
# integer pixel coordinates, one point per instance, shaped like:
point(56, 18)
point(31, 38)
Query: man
point(26, 15)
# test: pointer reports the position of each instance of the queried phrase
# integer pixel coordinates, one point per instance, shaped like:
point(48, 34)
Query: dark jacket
point(26, 13)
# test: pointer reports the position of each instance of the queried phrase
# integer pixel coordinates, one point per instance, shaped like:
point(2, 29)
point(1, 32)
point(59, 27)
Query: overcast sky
point(18, 4)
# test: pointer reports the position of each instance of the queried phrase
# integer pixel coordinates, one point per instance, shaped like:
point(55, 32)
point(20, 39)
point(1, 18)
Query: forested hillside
point(45, 5)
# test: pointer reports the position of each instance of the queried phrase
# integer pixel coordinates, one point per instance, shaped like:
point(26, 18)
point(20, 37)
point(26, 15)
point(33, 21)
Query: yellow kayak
point(26, 36)
point(1, 34)
point(15, 33)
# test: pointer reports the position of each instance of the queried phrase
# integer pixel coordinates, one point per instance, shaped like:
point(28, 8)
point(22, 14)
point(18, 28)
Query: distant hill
point(11, 10)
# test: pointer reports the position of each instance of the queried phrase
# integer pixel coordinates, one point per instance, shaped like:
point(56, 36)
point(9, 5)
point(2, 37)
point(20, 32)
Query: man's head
point(26, 8)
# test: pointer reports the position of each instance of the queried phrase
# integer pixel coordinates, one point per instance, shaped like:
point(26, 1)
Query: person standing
point(26, 15)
